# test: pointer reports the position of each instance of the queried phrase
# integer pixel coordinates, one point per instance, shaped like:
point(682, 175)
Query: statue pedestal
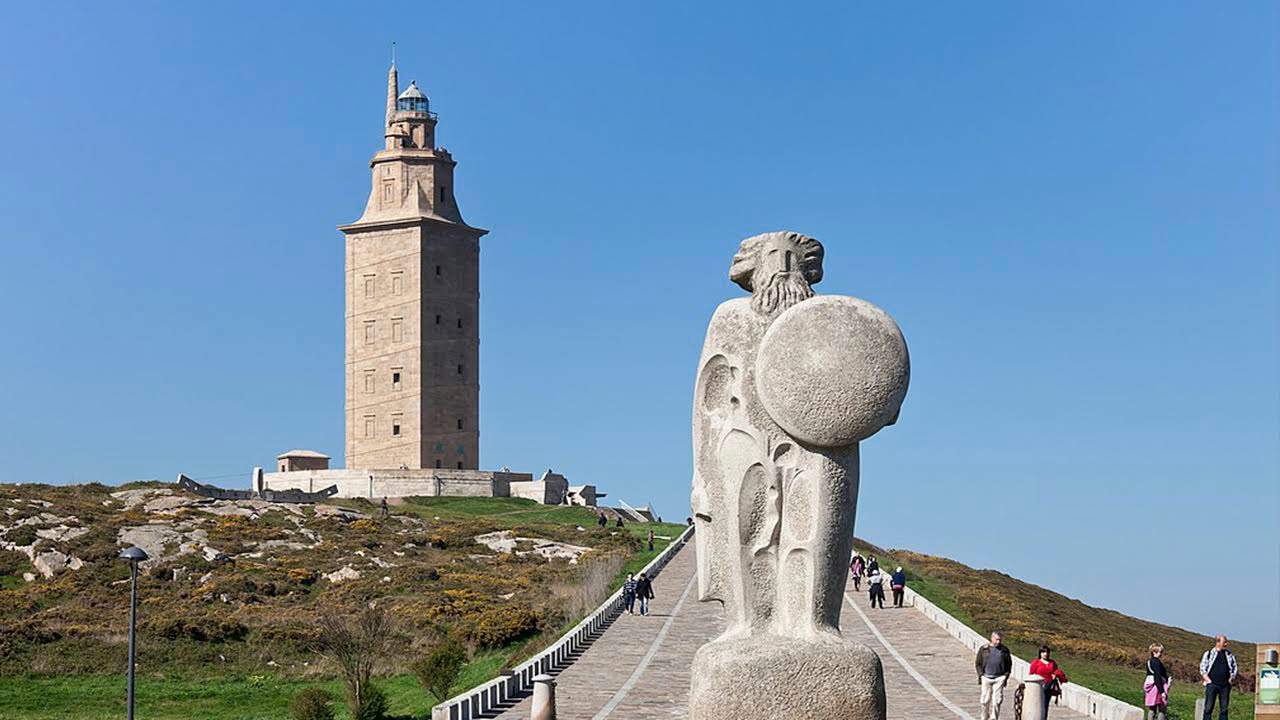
point(766, 677)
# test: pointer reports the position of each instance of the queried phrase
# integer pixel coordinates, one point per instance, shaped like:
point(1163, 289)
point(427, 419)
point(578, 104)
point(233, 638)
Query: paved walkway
point(639, 668)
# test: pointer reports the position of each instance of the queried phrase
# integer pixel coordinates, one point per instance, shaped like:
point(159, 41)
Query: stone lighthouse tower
point(412, 313)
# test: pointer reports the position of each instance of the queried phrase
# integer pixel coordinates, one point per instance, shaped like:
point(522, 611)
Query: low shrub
point(438, 671)
point(24, 535)
point(13, 563)
point(303, 576)
point(311, 704)
point(500, 626)
point(299, 636)
point(201, 629)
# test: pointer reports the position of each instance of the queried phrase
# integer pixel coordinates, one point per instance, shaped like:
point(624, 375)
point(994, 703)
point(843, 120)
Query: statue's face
point(779, 281)
point(779, 254)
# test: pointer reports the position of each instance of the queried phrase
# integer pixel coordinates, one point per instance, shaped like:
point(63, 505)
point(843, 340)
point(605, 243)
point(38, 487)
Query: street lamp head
point(133, 554)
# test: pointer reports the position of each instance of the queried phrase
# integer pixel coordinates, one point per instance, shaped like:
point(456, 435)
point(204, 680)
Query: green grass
point(261, 697)
point(508, 511)
point(637, 561)
point(98, 697)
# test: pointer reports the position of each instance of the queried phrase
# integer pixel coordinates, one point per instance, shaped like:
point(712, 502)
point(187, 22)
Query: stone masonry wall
point(376, 484)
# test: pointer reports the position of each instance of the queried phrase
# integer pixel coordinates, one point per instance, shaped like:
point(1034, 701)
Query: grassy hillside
point(228, 608)
point(1100, 648)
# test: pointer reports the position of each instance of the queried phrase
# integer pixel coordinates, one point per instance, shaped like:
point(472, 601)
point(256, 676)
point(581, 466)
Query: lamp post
point(134, 555)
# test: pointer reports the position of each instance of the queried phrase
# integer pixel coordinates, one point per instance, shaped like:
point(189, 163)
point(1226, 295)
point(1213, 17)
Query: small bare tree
point(357, 646)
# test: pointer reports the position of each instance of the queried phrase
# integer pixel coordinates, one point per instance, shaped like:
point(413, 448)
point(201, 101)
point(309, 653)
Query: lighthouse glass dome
point(412, 100)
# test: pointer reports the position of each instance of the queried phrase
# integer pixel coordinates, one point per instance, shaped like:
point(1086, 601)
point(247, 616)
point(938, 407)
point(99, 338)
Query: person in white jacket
point(875, 586)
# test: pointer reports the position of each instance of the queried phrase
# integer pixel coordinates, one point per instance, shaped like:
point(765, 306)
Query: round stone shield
point(833, 370)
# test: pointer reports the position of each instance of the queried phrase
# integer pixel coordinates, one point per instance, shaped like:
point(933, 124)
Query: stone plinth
point(823, 678)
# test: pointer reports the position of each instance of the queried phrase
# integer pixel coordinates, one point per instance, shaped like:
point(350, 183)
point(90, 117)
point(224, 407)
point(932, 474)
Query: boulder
point(130, 498)
point(151, 538)
point(342, 575)
point(61, 533)
point(505, 541)
point(169, 504)
point(229, 508)
point(502, 541)
point(52, 562)
point(333, 511)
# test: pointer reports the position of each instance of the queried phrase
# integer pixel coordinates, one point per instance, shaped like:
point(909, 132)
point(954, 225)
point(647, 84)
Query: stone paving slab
point(639, 668)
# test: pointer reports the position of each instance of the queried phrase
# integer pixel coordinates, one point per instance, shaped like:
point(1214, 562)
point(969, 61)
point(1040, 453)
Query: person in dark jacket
point(650, 539)
point(873, 566)
point(603, 521)
point(1218, 670)
point(1155, 689)
point(856, 566)
point(644, 593)
point(629, 593)
point(993, 663)
point(898, 582)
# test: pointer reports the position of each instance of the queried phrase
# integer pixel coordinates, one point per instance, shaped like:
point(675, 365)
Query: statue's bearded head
point(778, 269)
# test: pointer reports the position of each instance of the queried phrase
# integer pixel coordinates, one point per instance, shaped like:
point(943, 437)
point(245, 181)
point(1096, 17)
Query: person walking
point(644, 593)
point(385, 512)
point(619, 522)
point(650, 537)
point(603, 521)
point(875, 585)
point(1155, 688)
point(899, 584)
point(856, 566)
point(873, 566)
point(1218, 670)
point(629, 593)
point(1047, 668)
point(993, 663)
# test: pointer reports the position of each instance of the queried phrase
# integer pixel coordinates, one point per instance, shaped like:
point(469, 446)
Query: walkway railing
point(493, 695)
point(1075, 696)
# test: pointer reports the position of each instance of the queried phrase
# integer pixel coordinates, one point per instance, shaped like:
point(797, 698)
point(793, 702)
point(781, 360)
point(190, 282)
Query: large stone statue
point(788, 385)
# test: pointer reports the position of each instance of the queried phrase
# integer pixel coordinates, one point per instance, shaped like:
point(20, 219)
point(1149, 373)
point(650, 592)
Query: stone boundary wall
point(480, 701)
point(280, 496)
point(375, 484)
point(1074, 696)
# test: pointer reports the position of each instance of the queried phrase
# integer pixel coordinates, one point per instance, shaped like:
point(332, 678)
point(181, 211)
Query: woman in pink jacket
point(1155, 688)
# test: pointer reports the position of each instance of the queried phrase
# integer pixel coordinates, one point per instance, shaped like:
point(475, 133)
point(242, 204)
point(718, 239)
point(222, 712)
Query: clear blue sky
point(1071, 211)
